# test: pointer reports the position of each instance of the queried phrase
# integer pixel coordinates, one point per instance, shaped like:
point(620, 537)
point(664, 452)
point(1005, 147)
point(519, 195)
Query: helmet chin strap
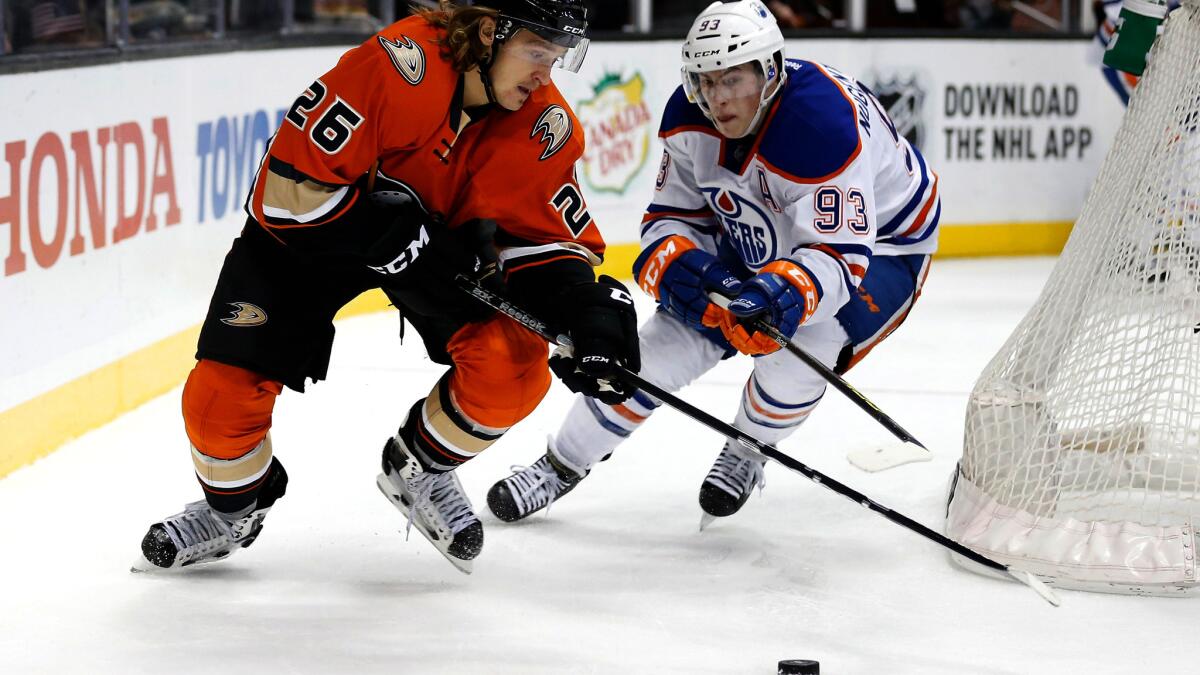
point(487, 84)
point(760, 116)
point(485, 73)
point(765, 102)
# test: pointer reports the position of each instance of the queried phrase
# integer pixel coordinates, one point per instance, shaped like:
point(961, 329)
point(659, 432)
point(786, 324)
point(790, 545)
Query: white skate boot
point(201, 535)
point(532, 488)
point(729, 482)
point(433, 502)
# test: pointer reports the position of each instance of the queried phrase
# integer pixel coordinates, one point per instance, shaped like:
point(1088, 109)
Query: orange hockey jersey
point(381, 125)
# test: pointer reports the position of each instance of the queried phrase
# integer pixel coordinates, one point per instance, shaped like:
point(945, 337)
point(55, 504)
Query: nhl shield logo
point(618, 122)
point(903, 99)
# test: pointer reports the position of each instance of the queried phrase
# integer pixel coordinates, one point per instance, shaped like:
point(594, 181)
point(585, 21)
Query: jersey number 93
point(835, 208)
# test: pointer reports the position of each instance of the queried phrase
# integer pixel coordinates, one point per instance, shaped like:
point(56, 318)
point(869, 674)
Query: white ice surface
point(616, 580)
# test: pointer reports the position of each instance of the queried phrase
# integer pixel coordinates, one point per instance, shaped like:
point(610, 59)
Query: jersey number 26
point(332, 131)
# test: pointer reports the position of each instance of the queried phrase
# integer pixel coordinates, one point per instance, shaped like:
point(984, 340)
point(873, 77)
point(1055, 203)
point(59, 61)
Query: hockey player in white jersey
point(785, 187)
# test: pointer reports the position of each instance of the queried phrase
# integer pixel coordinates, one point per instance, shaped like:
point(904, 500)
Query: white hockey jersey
point(826, 182)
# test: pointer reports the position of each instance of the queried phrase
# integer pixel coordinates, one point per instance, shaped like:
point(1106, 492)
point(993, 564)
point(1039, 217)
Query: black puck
point(799, 667)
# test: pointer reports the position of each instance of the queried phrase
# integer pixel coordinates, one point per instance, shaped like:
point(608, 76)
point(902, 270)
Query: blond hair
point(460, 42)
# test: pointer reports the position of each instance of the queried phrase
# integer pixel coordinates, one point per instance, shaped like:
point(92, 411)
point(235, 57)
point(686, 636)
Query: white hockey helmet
point(728, 34)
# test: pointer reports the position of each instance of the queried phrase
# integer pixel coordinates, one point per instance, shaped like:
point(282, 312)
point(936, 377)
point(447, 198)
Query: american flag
point(48, 19)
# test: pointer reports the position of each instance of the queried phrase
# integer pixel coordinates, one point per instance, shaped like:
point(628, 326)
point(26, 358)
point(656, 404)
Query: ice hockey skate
point(197, 535)
point(729, 483)
point(432, 502)
point(201, 535)
point(532, 488)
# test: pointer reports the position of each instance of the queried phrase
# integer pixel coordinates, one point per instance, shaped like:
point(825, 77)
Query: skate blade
point(385, 486)
point(143, 566)
point(706, 519)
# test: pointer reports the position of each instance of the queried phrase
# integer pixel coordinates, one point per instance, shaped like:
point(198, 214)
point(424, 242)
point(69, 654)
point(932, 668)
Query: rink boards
point(122, 185)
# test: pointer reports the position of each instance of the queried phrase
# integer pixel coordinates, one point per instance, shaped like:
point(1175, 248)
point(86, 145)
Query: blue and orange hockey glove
point(782, 293)
point(679, 275)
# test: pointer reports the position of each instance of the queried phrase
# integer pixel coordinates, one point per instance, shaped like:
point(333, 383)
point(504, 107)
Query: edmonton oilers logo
point(748, 228)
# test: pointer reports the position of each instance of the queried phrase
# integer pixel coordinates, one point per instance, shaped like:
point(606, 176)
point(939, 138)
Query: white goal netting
point(1081, 457)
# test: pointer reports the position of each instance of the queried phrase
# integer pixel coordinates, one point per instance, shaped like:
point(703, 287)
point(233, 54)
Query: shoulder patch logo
point(407, 56)
point(246, 314)
point(555, 128)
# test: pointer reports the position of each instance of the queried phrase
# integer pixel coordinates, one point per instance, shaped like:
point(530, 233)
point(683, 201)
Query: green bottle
point(1137, 26)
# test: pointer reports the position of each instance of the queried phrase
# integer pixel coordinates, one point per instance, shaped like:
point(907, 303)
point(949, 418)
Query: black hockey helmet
point(561, 22)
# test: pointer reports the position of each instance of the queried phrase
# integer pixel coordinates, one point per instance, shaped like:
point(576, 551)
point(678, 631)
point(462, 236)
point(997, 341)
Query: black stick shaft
point(728, 430)
point(831, 377)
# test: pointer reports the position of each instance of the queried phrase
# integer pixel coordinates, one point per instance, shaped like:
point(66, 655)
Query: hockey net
point(1081, 458)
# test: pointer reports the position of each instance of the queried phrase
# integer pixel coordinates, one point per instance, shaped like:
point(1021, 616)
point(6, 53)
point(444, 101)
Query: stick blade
point(875, 459)
point(1036, 584)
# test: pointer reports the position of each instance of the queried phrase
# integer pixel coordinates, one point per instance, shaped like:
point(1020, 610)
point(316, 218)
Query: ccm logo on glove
point(620, 295)
point(662, 257)
point(409, 255)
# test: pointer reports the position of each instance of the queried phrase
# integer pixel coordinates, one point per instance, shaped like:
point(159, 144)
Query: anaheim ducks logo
point(407, 56)
point(246, 314)
point(555, 127)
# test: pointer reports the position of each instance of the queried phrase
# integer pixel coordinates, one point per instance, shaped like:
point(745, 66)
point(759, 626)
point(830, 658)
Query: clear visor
point(553, 48)
point(711, 88)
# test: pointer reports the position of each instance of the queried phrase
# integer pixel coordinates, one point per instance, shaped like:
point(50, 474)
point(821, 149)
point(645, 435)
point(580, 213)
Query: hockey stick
point(828, 375)
point(534, 324)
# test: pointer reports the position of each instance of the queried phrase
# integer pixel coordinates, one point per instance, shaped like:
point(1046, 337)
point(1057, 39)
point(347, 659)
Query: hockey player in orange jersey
point(439, 146)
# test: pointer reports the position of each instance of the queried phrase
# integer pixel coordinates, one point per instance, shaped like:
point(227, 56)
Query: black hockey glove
point(426, 256)
point(415, 245)
point(602, 325)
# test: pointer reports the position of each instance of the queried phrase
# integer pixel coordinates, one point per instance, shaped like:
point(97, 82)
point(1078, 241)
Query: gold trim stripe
point(995, 240)
point(35, 428)
point(230, 473)
point(446, 432)
point(954, 241)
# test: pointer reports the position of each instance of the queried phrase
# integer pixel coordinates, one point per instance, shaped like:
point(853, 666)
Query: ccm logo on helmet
point(710, 52)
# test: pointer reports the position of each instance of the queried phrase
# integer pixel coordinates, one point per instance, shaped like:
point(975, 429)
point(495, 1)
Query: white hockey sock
point(672, 356)
point(592, 430)
point(769, 419)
